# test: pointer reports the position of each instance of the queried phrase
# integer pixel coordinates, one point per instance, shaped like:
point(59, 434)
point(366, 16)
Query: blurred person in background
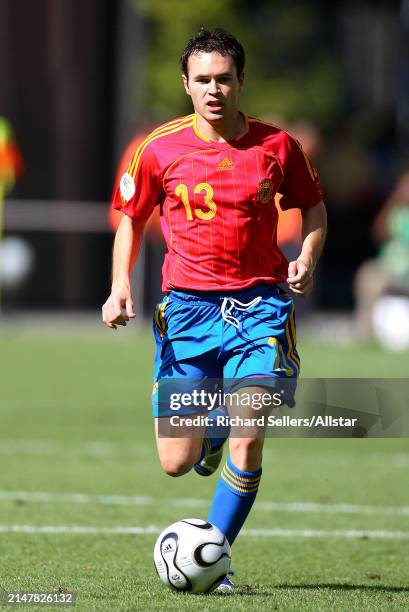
point(11, 162)
point(11, 168)
point(388, 272)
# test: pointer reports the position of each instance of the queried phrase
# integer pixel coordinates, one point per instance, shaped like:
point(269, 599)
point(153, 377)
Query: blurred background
point(81, 80)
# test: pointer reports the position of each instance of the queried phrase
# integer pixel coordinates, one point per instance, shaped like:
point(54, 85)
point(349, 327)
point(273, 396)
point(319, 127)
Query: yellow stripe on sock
point(244, 479)
point(239, 480)
point(233, 485)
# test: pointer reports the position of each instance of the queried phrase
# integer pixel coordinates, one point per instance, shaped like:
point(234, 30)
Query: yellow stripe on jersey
point(161, 130)
point(197, 132)
point(206, 139)
point(156, 320)
point(133, 165)
point(292, 358)
point(162, 313)
point(311, 169)
point(288, 371)
point(159, 317)
point(289, 349)
point(170, 124)
point(294, 335)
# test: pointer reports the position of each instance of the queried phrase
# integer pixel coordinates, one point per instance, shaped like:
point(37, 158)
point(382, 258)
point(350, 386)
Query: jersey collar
point(227, 143)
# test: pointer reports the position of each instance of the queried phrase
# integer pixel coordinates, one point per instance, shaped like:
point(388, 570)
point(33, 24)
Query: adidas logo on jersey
point(225, 165)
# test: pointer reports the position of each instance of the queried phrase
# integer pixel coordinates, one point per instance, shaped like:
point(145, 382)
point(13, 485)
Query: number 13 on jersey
point(182, 191)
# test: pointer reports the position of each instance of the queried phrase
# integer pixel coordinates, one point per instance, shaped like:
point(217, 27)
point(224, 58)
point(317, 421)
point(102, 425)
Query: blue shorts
point(225, 335)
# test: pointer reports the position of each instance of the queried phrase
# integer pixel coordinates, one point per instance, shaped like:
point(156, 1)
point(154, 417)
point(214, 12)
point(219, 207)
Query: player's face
point(213, 85)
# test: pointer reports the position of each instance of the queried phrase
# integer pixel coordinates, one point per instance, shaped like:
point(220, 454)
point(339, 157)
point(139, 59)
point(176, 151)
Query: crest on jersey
point(127, 186)
point(265, 191)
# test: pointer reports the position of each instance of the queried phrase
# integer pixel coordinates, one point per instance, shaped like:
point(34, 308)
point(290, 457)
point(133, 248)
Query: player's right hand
point(118, 308)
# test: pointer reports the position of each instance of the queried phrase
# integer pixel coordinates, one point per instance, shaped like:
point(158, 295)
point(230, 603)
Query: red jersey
point(216, 201)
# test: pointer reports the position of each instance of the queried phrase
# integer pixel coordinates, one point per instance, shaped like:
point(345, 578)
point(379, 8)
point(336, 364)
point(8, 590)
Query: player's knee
point(246, 452)
point(176, 467)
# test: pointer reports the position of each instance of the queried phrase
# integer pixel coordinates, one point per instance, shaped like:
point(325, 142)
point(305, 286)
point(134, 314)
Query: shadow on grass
point(264, 591)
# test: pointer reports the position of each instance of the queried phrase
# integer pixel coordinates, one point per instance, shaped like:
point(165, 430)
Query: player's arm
point(119, 308)
point(139, 189)
point(314, 231)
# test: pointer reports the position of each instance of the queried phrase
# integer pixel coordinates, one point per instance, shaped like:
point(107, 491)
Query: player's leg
point(190, 438)
point(177, 455)
point(187, 343)
point(263, 347)
point(181, 447)
point(239, 480)
point(213, 440)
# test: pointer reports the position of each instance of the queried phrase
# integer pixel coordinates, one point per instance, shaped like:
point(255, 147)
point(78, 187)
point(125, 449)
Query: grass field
point(77, 453)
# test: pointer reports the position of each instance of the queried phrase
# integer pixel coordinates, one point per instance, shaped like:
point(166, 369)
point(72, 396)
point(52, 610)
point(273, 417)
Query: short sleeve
point(300, 186)
point(140, 187)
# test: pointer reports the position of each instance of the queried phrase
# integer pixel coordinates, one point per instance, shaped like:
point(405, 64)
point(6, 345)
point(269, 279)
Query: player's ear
point(186, 84)
point(241, 79)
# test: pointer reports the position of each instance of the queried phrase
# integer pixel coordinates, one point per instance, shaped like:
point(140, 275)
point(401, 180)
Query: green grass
point(75, 418)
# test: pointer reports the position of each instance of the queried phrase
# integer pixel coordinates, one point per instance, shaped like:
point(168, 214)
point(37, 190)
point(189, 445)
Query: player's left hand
point(300, 279)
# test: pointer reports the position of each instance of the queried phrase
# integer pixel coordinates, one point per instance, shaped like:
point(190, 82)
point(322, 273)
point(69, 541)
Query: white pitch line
point(333, 508)
point(322, 533)
point(252, 533)
point(54, 447)
point(76, 498)
point(103, 449)
point(266, 506)
point(26, 447)
point(78, 529)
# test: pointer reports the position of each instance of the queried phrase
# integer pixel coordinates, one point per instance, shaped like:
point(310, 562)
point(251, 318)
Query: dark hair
point(206, 41)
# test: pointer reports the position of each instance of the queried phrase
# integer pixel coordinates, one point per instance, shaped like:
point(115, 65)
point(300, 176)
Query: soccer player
point(214, 175)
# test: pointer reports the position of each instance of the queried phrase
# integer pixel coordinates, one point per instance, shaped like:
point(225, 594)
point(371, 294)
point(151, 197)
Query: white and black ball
point(192, 555)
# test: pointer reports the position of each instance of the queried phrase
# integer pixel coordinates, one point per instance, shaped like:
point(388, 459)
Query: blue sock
point(233, 498)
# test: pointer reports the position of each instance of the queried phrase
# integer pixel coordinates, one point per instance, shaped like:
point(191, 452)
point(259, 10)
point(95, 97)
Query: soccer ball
point(192, 555)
